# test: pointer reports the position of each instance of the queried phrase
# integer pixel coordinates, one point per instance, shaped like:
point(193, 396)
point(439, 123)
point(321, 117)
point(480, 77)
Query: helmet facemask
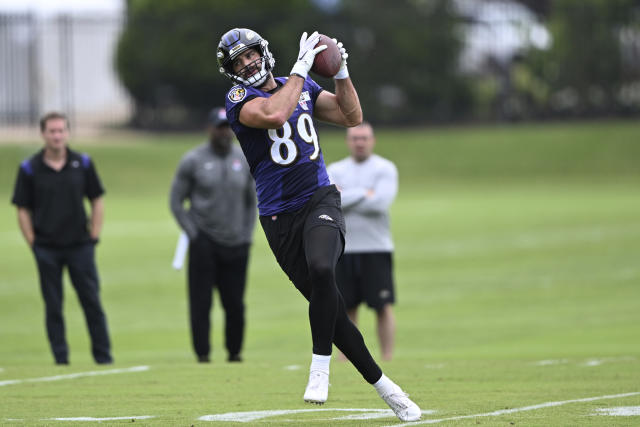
point(244, 75)
point(264, 64)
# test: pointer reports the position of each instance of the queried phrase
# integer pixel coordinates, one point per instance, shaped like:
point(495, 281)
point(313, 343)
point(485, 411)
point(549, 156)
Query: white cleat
point(402, 406)
point(318, 388)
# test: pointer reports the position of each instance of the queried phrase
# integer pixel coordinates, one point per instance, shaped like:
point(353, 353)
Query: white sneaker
point(403, 407)
point(318, 388)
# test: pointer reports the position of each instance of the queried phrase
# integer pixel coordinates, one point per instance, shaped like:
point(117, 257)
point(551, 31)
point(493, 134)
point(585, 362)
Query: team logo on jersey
point(237, 94)
point(326, 217)
point(236, 165)
point(304, 97)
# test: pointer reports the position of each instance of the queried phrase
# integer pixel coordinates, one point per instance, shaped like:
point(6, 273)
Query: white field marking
point(550, 362)
point(292, 367)
point(620, 411)
point(522, 409)
point(588, 362)
point(379, 413)
point(598, 362)
point(76, 375)
point(247, 417)
point(135, 417)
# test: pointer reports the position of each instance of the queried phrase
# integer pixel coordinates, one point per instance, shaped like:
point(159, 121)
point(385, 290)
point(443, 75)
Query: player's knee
point(321, 272)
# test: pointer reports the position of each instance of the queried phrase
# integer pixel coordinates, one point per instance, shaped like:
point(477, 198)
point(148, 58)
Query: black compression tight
point(327, 312)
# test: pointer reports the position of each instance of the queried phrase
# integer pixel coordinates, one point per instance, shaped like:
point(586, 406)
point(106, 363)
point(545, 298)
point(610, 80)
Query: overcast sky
point(57, 6)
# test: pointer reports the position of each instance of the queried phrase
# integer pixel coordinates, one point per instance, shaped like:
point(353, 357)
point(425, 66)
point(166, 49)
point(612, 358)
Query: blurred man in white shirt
point(368, 185)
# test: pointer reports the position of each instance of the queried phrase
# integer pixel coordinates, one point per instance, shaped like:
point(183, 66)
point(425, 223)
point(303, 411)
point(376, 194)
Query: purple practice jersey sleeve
point(286, 163)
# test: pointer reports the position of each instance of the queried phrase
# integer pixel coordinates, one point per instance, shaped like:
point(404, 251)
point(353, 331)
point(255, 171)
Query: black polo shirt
point(56, 198)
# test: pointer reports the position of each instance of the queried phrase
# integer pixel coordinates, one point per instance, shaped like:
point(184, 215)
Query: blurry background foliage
point(406, 58)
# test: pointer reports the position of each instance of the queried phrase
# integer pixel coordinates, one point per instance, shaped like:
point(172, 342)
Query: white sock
point(320, 363)
point(384, 385)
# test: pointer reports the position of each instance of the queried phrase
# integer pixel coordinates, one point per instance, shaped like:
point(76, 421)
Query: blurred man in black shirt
point(49, 194)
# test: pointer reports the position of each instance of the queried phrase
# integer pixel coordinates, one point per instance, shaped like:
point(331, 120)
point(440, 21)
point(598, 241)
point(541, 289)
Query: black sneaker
point(203, 358)
point(234, 358)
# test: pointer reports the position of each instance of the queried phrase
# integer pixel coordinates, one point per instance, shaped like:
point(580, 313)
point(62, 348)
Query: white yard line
point(293, 367)
point(135, 417)
point(435, 366)
point(246, 417)
point(620, 411)
point(551, 362)
point(522, 409)
point(76, 375)
point(367, 414)
point(588, 363)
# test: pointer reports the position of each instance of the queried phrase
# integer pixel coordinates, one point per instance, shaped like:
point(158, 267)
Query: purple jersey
point(286, 163)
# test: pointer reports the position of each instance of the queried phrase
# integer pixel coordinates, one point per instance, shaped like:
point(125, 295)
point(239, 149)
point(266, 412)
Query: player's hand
point(343, 73)
point(307, 54)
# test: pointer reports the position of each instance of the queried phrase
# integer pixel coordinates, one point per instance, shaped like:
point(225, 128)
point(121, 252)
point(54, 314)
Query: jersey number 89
point(284, 150)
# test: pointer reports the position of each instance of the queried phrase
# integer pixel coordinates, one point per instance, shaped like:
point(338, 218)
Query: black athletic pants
point(80, 262)
point(307, 245)
point(214, 265)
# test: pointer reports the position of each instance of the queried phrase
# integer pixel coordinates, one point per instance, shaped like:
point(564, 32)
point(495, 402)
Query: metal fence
point(65, 63)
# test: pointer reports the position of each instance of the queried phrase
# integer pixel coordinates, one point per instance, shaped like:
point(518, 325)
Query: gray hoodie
point(221, 195)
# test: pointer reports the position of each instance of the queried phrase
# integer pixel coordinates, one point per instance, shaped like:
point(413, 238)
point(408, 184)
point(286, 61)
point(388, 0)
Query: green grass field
point(518, 282)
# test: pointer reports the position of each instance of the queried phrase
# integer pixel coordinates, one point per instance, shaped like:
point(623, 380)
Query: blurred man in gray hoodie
point(214, 177)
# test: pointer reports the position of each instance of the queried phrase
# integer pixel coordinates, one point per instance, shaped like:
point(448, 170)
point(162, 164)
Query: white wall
point(61, 61)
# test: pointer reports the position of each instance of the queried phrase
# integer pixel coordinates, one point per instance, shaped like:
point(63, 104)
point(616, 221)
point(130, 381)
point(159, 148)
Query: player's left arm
point(342, 107)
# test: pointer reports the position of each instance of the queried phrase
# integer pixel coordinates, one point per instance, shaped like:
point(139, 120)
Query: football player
point(273, 119)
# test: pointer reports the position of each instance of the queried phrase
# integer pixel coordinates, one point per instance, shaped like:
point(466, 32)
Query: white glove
point(343, 73)
point(307, 54)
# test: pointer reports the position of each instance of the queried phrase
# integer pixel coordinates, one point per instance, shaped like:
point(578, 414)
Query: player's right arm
point(273, 112)
point(26, 225)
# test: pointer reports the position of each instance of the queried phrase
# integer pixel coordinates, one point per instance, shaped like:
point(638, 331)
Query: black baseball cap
point(218, 116)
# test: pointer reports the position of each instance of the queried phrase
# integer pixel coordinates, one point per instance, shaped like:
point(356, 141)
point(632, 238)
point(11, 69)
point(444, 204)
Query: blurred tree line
point(404, 57)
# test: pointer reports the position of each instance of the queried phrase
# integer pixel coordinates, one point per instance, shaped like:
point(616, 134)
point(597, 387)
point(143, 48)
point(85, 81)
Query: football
point(327, 62)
